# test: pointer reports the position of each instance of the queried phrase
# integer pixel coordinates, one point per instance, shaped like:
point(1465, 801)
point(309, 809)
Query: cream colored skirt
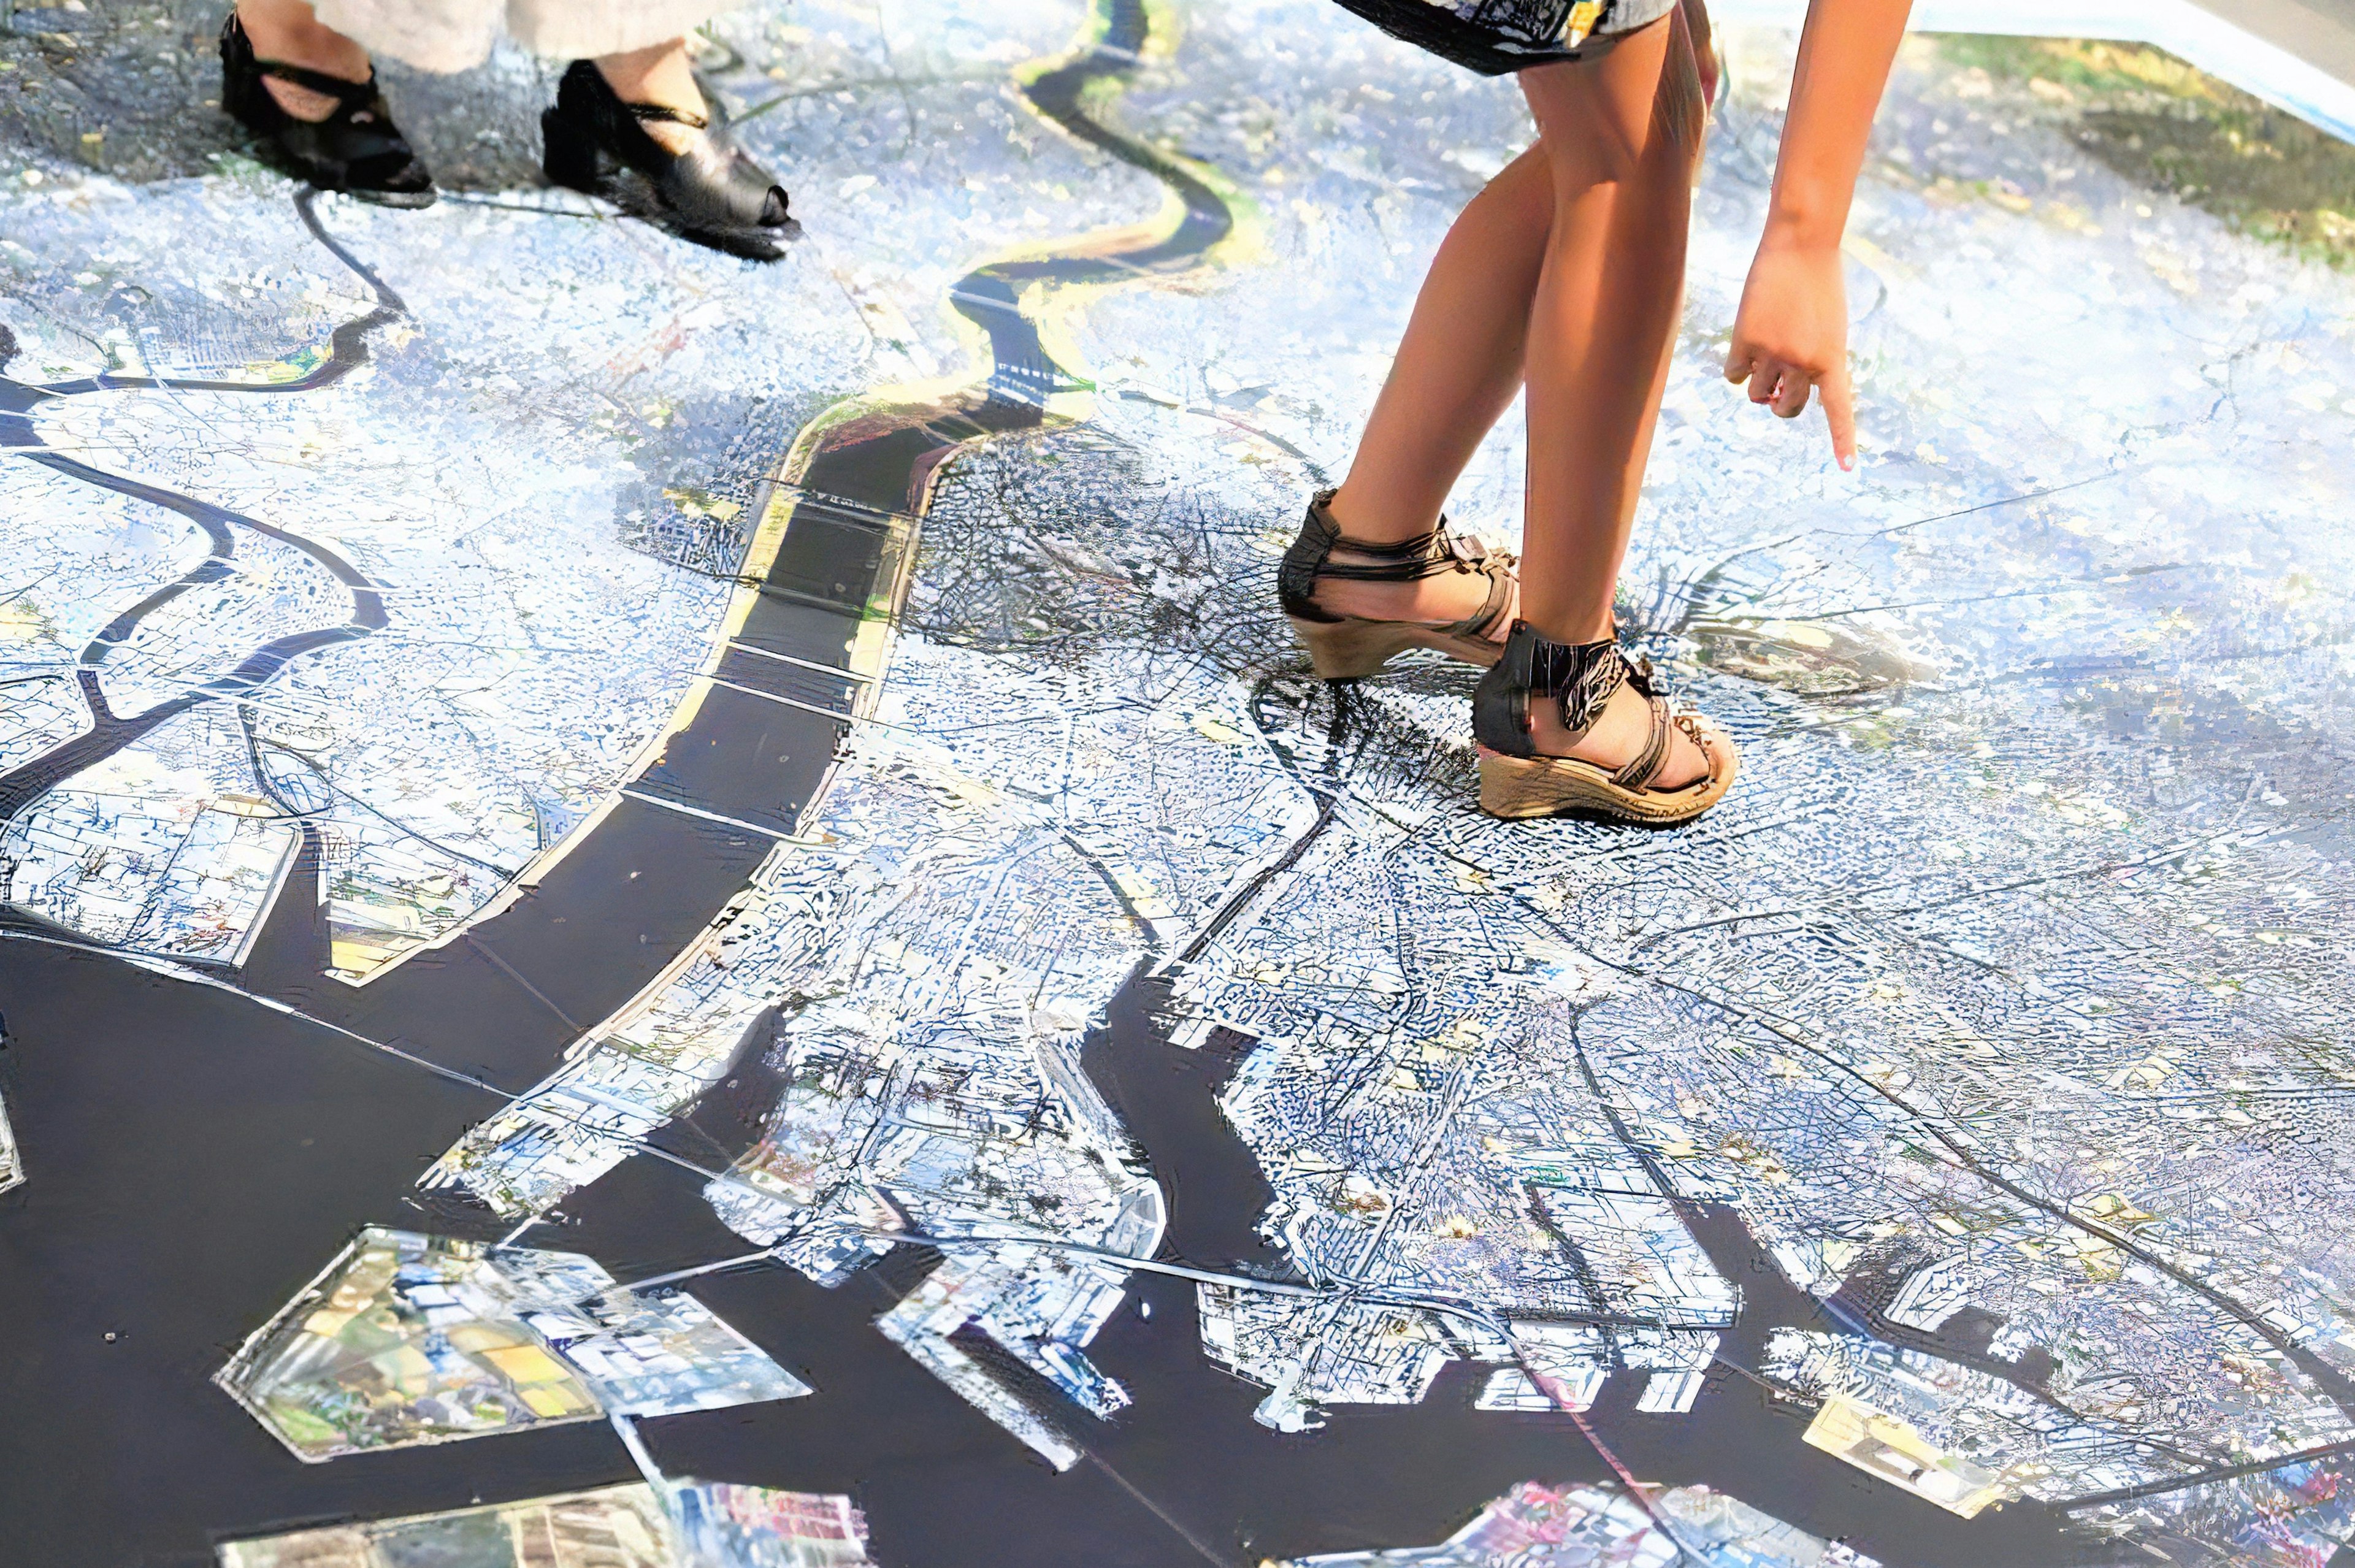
point(456, 35)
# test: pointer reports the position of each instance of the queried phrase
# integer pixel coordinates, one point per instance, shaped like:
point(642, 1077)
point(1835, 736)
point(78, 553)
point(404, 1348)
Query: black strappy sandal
point(1345, 648)
point(357, 149)
point(715, 189)
point(1515, 781)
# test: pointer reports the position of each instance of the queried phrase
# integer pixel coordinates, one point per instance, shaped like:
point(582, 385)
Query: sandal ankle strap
point(664, 113)
point(346, 94)
point(584, 89)
point(1428, 554)
point(1580, 677)
point(1583, 678)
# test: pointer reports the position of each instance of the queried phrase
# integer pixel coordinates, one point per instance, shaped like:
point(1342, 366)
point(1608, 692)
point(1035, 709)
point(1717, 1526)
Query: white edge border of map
point(2216, 45)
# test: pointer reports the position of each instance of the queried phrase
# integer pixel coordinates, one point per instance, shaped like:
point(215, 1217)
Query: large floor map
point(670, 909)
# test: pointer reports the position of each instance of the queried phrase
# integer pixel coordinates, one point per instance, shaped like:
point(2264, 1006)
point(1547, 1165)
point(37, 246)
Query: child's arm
point(1791, 334)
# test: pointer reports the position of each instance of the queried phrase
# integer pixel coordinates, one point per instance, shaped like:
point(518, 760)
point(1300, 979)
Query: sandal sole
point(1353, 649)
point(1518, 789)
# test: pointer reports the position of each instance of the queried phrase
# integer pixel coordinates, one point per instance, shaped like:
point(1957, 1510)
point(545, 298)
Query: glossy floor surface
point(520, 731)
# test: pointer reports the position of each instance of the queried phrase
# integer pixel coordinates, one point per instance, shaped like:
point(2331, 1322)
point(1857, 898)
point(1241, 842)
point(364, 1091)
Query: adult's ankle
point(290, 34)
point(295, 35)
point(658, 74)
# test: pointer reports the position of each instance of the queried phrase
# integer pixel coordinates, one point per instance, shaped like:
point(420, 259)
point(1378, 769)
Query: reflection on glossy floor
point(1938, 1150)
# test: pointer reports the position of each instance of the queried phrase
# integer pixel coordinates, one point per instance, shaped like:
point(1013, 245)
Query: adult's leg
point(288, 31)
point(1457, 370)
point(1621, 135)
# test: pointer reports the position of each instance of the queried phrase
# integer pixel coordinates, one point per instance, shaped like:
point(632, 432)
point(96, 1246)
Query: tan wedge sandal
point(1347, 647)
point(1515, 781)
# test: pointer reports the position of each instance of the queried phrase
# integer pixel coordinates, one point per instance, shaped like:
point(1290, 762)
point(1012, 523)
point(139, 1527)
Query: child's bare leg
point(1458, 369)
point(1620, 135)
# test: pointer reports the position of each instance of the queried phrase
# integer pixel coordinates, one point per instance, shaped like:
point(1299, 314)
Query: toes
point(1721, 759)
point(1694, 757)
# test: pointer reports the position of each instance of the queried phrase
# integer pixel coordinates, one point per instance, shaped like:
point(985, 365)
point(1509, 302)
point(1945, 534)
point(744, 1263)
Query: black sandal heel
point(713, 191)
point(357, 149)
point(570, 158)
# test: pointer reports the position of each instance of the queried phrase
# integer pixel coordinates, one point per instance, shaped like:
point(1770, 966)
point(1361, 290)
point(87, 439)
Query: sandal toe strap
point(1645, 764)
point(348, 94)
point(664, 114)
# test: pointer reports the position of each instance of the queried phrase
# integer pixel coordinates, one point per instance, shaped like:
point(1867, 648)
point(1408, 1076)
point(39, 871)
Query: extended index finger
point(1839, 413)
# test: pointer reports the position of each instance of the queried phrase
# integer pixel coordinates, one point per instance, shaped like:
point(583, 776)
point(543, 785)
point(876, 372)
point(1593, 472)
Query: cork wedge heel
point(1517, 788)
point(1515, 783)
point(1353, 647)
point(1350, 647)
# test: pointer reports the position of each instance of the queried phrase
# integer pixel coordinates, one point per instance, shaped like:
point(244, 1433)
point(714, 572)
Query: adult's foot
point(1356, 603)
point(308, 95)
point(660, 74)
point(643, 111)
point(290, 32)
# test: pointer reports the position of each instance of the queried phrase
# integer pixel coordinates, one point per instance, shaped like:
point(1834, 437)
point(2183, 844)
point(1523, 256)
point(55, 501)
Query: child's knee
point(1586, 150)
